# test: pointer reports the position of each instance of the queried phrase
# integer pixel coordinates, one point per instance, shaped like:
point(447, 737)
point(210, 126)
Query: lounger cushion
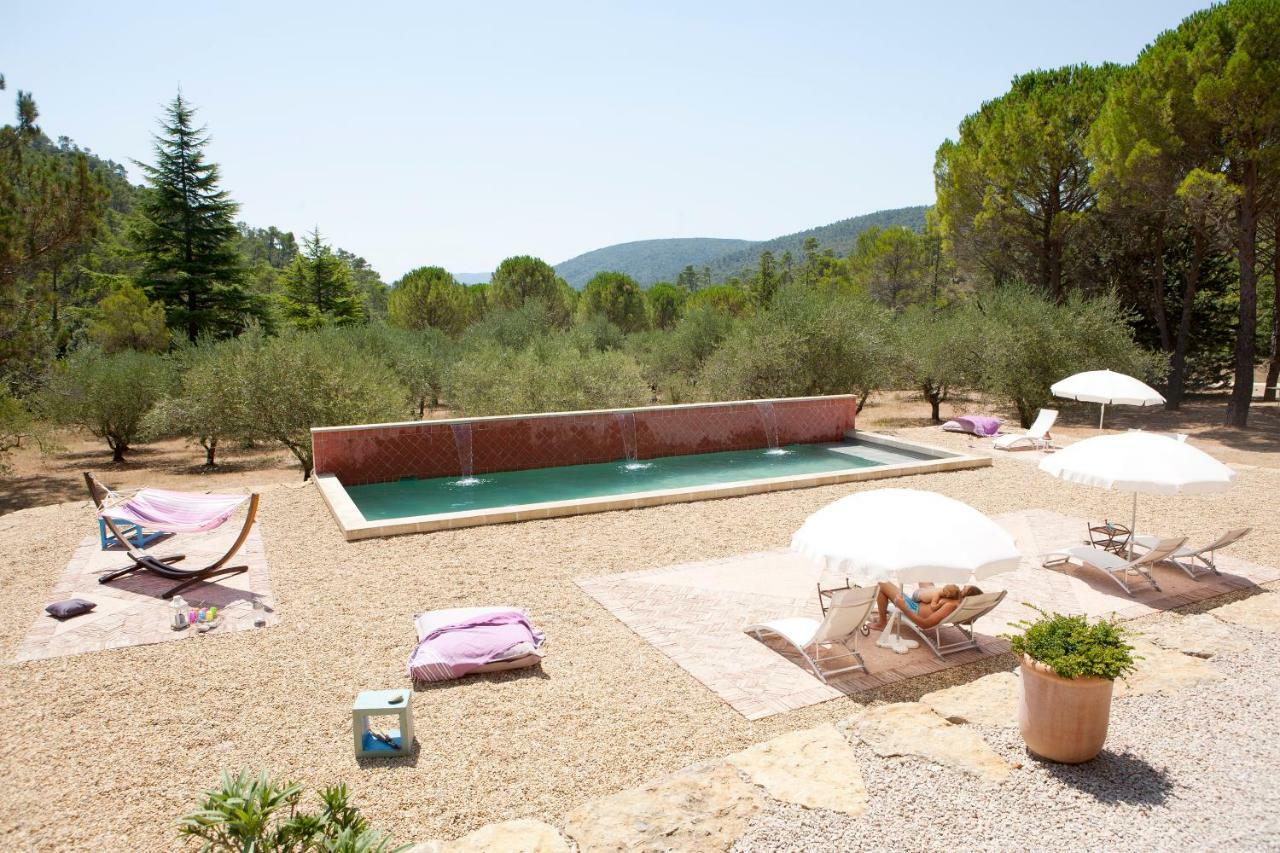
point(455, 642)
point(979, 425)
point(69, 608)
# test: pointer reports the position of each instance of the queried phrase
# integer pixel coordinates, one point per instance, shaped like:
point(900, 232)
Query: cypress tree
point(318, 288)
point(188, 234)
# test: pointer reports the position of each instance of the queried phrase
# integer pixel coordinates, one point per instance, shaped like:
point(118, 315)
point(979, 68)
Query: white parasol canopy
point(1139, 462)
point(905, 535)
point(1108, 388)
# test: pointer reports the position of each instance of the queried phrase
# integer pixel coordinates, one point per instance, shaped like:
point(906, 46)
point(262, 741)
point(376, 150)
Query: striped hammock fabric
point(175, 512)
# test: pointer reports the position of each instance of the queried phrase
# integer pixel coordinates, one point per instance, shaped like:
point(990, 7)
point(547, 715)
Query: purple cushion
point(70, 607)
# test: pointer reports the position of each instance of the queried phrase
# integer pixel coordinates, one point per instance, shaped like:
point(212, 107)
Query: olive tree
point(932, 358)
point(807, 342)
point(207, 406)
point(550, 374)
point(292, 383)
point(1019, 342)
point(107, 394)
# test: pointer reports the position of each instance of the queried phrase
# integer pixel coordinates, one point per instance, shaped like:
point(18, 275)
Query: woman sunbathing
point(926, 607)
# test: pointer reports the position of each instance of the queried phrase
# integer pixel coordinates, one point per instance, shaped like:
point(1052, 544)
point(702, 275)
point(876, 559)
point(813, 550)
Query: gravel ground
point(103, 751)
point(1191, 770)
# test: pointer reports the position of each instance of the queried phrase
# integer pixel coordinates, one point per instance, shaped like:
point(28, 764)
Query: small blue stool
point(379, 703)
point(132, 533)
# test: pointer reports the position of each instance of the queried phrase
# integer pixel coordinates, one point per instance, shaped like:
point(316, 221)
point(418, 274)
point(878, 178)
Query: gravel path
point(1191, 770)
point(103, 751)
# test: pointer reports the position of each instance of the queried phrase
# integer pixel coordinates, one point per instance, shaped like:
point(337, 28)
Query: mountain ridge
point(662, 259)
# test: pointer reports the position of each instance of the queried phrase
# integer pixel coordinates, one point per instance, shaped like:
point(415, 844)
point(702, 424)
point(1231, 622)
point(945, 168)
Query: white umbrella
point(1108, 388)
point(1139, 462)
point(905, 535)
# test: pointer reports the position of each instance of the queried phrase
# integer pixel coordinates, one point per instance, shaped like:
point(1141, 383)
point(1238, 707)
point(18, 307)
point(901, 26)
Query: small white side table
point(383, 703)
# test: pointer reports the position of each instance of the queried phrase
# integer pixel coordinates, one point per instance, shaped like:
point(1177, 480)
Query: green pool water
point(403, 498)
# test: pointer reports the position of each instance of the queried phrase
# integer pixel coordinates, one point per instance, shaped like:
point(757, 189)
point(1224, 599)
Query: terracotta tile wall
point(380, 453)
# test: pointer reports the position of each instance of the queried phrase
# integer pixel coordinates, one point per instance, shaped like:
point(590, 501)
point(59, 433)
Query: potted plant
point(1069, 666)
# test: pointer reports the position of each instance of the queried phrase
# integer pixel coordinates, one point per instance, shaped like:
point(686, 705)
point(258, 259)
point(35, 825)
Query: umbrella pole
point(1102, 413)
point(1133, 524)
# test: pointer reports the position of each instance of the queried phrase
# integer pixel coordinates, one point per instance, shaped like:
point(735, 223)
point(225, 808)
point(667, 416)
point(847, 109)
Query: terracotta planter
point(1063, 719)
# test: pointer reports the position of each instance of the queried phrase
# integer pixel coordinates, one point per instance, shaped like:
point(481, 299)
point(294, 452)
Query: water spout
point(769, 422)
point(462, 444)
point(626, 422)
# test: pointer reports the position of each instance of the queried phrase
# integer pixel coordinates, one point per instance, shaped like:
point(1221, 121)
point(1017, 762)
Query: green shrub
point(419, 359)
point(550, 375)
point(1074, 647)
point(671, 361)
point(1020, 342)
point(253, 814)
point(289, 384)
point(807, 342)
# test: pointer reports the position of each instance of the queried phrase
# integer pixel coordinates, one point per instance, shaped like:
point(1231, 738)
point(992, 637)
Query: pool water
point(414, 497)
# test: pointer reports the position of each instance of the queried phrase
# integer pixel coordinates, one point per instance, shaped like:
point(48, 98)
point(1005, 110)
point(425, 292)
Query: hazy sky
point(458, 134)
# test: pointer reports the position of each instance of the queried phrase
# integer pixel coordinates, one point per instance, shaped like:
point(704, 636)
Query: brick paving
point(695, 613)
point(130, 611)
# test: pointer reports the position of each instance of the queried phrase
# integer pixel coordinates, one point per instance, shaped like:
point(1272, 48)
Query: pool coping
point(354, 526)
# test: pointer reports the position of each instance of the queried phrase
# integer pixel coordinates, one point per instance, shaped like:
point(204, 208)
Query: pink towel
point(176, 512)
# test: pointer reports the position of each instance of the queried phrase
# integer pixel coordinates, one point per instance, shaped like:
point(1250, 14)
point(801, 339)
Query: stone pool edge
point(354, 526)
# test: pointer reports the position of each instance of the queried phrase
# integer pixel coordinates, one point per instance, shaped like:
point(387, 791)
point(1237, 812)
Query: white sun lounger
point(1196, 561)
point(971, 609)
point(1117, 567)
point(849, 608)
point(1036, 438)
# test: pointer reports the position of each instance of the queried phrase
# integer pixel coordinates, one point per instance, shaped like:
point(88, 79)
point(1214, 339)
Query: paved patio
point(695, 613)
point(130, 610)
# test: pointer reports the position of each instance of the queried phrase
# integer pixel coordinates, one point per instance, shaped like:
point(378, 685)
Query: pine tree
point(188, 234)
point(318, 288)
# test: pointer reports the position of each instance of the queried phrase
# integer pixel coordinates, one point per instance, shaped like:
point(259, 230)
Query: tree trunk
point(117, 449)
point(1178, 364)
point(1157, 292)
point(934, 396)
point(1273, 366)
point(1046, 249)
point(210, 449)
point(1247, 247)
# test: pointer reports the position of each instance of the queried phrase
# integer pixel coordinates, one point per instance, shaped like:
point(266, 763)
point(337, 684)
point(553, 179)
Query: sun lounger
point(163, 566)
point(1196, 561)
point(1037, 438)
point(1117, 567)
point(970, 610)
point(849, 608)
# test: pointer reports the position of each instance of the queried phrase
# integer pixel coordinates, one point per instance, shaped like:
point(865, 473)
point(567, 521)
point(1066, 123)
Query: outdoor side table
point(378, 703)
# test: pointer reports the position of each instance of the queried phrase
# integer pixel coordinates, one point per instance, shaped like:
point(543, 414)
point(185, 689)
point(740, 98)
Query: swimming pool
point(416, 505)
point(411, 496)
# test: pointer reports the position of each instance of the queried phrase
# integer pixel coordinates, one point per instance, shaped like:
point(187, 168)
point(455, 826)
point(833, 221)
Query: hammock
point(174, 512)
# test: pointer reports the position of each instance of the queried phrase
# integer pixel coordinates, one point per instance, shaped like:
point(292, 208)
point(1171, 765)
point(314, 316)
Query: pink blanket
point(452, 643)
point(176, 512)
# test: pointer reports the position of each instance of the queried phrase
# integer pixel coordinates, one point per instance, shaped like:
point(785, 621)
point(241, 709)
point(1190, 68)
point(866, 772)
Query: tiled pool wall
point(376, 453)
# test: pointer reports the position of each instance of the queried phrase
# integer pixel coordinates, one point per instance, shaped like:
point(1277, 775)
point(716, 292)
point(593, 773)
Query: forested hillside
point(649, 261)
point(840, 237)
